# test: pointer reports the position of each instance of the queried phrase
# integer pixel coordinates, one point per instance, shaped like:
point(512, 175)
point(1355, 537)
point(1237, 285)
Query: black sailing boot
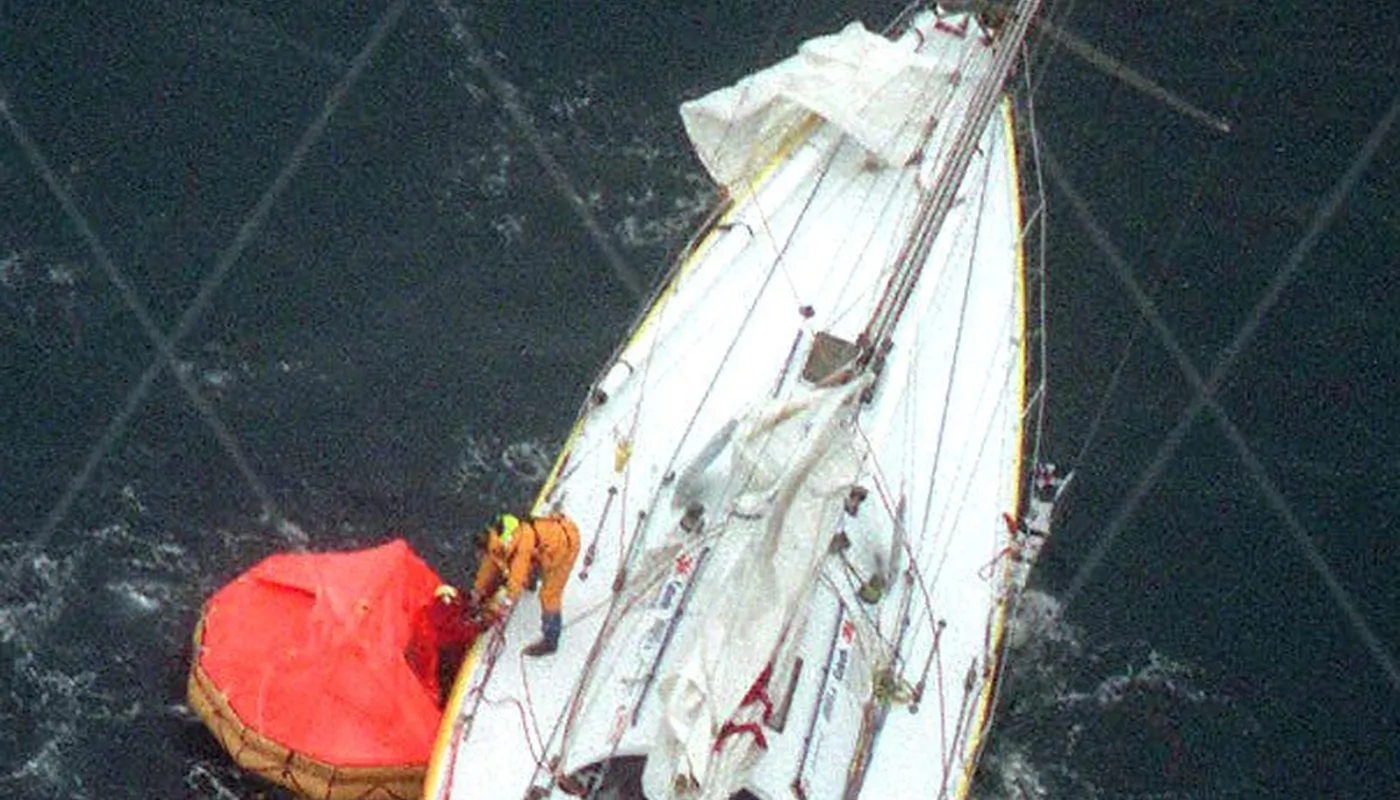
point(551, 624)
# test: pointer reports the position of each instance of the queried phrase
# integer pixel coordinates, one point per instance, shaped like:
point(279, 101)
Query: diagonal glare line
point(207, 290)
point(509, 98)
point(138, 308)
point(1205, 389)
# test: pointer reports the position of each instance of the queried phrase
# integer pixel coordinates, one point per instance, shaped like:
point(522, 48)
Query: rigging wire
point(166, 345)
point(758, 295)
point(934, 210)
point(934, 111)
point(1206, 387)
point(1042, 51)
point(1117, 69)
point(509, 99)
point(1116, 378)
point(1106, 397)
point(1053, 36)
point(954, 360)
point(1040, 219)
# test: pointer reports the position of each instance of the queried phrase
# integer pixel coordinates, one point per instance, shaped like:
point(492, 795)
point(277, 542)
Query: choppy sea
point(397, 341)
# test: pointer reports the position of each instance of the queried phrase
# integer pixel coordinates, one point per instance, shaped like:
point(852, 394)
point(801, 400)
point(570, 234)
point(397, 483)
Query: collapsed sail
point(737, 131)
point(791, 470)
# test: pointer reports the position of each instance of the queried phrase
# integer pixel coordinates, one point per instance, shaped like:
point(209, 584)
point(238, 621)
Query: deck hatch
point(828, 356)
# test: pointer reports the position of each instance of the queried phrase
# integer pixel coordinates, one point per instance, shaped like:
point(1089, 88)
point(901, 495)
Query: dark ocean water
point(403, 342)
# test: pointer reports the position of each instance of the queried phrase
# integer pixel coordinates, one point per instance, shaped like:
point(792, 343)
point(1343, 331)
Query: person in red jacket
point(443, 630)
point(514, 548)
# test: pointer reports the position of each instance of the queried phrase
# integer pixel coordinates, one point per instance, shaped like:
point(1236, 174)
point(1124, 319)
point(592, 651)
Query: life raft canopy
point(299, 671)
point(738, 130)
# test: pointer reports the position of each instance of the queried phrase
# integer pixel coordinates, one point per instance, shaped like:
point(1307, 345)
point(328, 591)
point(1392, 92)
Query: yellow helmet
point(505, 528)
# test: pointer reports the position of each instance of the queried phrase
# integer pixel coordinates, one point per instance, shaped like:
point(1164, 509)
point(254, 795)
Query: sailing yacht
point(808, 482)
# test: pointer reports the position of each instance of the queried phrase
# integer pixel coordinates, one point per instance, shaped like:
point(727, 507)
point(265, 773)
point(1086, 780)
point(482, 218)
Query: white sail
point(792, 467)
point(855, 80)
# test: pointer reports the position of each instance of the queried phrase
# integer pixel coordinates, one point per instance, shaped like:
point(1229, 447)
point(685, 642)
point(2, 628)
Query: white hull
point(706, 406)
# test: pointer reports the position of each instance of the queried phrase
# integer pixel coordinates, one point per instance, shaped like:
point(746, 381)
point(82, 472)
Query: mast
point(934, 207)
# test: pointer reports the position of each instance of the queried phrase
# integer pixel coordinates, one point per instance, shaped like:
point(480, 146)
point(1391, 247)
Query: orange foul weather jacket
point(549, 543)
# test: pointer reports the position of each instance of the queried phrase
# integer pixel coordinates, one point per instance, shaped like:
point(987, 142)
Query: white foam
point(1063, 694)
point(1161, 675)
point(22, 622)
point(202, 779)
point(482, 462)
point(1010, 774)
point(528, 461)
point(44, 768)
point(141, 596)
point(1039, 618)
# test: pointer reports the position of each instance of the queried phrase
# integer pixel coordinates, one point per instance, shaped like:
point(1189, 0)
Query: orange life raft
point(299, 670)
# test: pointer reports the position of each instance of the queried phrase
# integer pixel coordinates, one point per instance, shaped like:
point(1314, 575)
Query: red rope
point(731, 728)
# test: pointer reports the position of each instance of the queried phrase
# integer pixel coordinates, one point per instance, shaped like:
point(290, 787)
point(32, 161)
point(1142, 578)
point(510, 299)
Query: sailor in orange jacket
point(516, 546)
